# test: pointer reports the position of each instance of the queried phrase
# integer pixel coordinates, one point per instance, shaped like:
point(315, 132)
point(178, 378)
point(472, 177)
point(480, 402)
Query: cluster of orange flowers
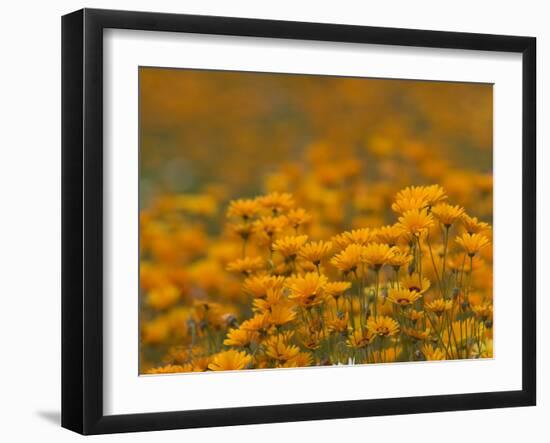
point(281, 287)
point(340, 260)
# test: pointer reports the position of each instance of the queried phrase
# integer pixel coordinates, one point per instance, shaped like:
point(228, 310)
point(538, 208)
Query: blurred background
point(233, 128)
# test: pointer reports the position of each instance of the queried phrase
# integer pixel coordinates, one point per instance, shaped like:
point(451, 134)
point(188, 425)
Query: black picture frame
point(82, 220)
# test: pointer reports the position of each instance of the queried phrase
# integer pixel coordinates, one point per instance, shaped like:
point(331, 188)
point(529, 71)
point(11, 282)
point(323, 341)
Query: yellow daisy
point(473, 226)
point(246, 266)
point(258, 285)
point(315, 252)
point(382, 326)
point(277, 349)
point(337, 289)
point(391, 235)
point(288, 247)
point(415, 222)
point(231, 360)
point(277, 203)
point(377, 254)
point(349, 259)
point(403, 296)
point(267, 227)
point(432, 353)
point(413, 283)
point(472, 243)
point(413, 315)
point(243, 208)
point(339, 324)
point(425, 196)
point(300, 360)
point(281, 314)
point(439, 306)
point(243, 230)
point(359, 339)
point(259, 323)
point(307, 290)
point(416, 334)
point(167, 369)
point(447, 214)
point(274, 296)
point(240, 338)
point(298, 217)
point(360, 236)
point(399, 259)
point(408, 204)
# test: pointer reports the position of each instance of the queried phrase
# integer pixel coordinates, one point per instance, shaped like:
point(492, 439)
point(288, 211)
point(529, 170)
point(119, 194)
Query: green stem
point(377, 283)
point(446, 245)
point(434, 266)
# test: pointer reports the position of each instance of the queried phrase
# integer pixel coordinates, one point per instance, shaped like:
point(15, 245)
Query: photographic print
point(292, 220)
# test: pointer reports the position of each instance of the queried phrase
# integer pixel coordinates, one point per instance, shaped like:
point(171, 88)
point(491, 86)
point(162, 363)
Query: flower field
point(293, 221)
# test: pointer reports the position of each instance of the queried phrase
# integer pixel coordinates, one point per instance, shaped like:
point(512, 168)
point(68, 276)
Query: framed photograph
point(268, 221)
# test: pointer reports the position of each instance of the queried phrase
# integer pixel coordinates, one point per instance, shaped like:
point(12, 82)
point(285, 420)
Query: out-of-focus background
point(231, 129)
